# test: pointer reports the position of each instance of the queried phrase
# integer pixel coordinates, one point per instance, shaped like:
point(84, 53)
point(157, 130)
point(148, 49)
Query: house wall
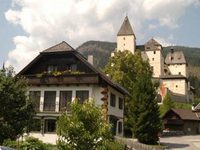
point(191, 127)
point(94, 94)
point(178, 69)
point(178, 86)
point(126, 43)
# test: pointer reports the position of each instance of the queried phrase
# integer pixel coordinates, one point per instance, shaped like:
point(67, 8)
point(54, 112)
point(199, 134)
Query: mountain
point(101, 50)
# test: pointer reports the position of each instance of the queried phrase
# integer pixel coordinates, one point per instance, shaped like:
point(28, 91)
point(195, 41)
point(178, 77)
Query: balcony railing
point(62, 80)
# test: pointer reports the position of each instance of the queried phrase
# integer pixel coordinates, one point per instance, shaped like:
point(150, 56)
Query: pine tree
point(141, 109)
point(15, 110)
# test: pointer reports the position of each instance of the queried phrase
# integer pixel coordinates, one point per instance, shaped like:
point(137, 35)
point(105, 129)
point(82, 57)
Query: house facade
point(180, 120)
point(170, 71)
point(58, 76)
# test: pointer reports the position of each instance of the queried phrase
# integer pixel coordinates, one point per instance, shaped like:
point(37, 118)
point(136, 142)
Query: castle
point(170, 71)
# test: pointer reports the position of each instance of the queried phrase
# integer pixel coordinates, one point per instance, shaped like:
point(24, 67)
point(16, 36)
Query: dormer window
point(52, 68)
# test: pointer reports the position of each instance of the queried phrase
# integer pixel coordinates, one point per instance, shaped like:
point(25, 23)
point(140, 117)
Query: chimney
point(91, 59)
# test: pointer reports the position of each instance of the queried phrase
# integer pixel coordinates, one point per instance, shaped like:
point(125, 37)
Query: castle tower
point(126, 39)
point(153, 53)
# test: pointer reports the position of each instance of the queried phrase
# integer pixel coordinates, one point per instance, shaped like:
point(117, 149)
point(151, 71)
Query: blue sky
point(29, 26)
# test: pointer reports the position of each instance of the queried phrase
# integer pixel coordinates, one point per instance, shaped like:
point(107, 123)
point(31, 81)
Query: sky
point(29, 26)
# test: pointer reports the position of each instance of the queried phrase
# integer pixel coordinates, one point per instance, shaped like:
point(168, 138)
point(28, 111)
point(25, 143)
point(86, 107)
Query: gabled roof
point(175, 57)
point(153, 42)
point(126, 28)
point(184, 114)
point(63, 46)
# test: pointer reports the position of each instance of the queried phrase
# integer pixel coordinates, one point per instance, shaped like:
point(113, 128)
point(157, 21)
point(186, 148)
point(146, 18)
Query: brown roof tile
point(186, 114)
point(63, 46)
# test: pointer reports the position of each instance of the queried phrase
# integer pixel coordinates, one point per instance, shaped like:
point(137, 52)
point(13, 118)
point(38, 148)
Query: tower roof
point(152, 41)
point(126, 28)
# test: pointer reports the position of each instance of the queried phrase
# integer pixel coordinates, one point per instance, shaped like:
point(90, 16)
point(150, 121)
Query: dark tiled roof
point(173, 77)
point(126, 28)
point(186, 114)
point(153, 42)
point(63, 46)
point(175, 57)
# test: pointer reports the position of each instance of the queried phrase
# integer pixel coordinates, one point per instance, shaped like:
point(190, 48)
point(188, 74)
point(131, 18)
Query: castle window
point(179, 73)
point(124, 44)
point(152, 59)
point(124, 38)
point(148, 47)
point(176, 86)
point(154, 52)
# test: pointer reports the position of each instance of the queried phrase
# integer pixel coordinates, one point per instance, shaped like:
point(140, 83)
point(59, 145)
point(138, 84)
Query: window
point(124, 38)
point(152, 59)
point(65, 99)
point(176, 86)
point(148, 47)
point(35, 125)
point(82, 96)
point(49, 100)
point(120, 103)
point(124, 44)
point(50, 125)
point(179, 73)
point(154, 52)
point(119, 127)
point(52, 68)
point(34, 96)
point(112, 100)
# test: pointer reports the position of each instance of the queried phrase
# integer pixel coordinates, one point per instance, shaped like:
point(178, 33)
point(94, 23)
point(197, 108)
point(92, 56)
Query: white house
point(60, 74)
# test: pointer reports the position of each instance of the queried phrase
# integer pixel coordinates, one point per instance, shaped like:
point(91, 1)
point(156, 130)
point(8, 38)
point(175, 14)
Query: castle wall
point(126, 43)
point(178, 86)
point(178, 69)
point(155, 61)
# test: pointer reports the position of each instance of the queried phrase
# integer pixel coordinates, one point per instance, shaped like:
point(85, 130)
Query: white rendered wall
point(178, 86)
point(94, 93)
point(176, 68)
point(126, 43)
point(155, 61)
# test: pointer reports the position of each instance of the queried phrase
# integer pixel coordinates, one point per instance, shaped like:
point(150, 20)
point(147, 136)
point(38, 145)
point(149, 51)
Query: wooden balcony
point(63, 79)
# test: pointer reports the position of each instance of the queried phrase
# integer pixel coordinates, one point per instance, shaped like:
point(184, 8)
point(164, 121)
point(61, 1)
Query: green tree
point(15, 110)
point(167, 104)
point(141, 109)
point(84, 129)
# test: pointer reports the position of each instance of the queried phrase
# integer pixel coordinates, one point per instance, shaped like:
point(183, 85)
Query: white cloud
point(48, 22)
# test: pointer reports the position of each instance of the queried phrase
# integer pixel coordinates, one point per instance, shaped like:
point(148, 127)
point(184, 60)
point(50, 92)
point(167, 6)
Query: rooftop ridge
point(60, 47)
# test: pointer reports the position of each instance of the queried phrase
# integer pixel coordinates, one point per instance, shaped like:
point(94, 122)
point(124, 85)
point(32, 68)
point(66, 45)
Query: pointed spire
point(126, 28)
point(3, 68)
